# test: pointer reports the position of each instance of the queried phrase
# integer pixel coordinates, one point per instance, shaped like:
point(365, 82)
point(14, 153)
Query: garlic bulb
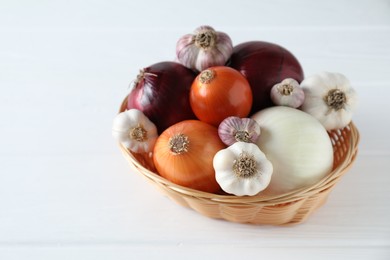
point(203, 49)
point(135, 131)
point(330, 98)
point(287, 93)
point(297, 145)
point(242, 169)
point(234, 129)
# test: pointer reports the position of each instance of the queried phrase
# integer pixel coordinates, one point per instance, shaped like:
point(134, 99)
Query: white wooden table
point(67, 193)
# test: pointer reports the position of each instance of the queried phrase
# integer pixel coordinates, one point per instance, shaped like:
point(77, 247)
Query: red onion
point(161, 92)
point(264, 64)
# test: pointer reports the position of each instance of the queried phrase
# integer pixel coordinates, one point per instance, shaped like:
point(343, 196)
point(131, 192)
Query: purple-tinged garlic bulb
point(288, 93)
point(234, 129)
point(203, 49)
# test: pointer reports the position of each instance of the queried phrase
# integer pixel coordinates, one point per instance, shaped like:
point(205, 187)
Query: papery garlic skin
point(135, 131)
point(203, 49)
point(330, 98)
point(287, 93)
point(234, 129)
point(242, 169)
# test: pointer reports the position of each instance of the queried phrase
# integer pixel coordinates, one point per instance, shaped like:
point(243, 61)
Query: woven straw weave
point(289, 208)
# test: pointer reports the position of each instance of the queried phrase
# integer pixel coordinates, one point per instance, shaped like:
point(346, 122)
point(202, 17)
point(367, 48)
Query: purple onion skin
point(162, 94)
point(264, 64)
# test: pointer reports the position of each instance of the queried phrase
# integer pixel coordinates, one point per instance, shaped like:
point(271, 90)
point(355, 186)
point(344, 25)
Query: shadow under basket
point(288, 208)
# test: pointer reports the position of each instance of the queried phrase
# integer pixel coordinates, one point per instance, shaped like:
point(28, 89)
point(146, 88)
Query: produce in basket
point(220, 92)
point(203, 49)
point(329, 98)
point(234, 129)
point(287, 93)
point(242, 169)
point(276, 167)
point(297, 145)
point(135, 131)
point(264, 64)
point(184, 153)
point(161, 92)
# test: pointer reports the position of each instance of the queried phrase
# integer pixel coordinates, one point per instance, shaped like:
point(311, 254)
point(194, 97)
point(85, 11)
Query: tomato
point(183, 154)
point(220, 92)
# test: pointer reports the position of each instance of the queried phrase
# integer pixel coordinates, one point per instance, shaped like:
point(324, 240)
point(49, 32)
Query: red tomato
point(220, 92)
point(183, 154)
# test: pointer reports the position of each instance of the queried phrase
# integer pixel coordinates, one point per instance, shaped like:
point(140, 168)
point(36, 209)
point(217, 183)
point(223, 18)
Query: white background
point(67, 193)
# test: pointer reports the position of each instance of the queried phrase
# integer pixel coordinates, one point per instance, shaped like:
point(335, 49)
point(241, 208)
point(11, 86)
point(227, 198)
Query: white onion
point(297, 145)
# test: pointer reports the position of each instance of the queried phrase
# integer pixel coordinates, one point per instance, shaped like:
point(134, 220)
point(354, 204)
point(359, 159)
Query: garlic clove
point(224, 44)
point(121, 122)
point(227, 178)
point(234, 129)
point(287, 93)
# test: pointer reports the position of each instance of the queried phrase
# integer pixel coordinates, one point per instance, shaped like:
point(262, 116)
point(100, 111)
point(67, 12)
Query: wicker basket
point(289, 208)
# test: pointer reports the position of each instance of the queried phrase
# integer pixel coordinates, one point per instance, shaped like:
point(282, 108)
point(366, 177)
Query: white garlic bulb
point(330, 98)
point(242, 169)
point(287, 93)
point(135, 131)
point(203, 49)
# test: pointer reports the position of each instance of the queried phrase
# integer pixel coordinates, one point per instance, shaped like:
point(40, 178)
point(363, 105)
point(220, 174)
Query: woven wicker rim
point(327, 182)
